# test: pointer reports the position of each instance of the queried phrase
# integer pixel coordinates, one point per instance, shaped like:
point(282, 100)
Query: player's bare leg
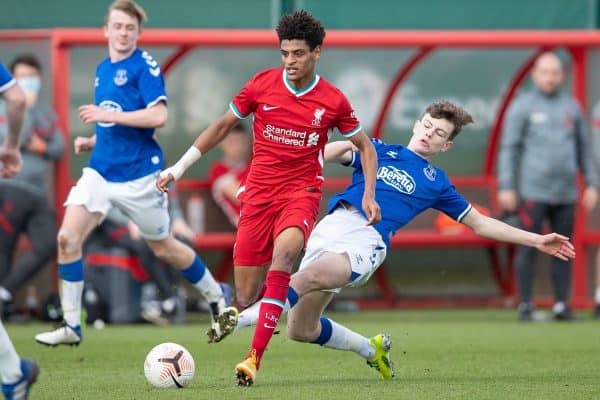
point(329, 271)
point(306, 324)
point(288, 245)
point(249, 282)
point(77, 224)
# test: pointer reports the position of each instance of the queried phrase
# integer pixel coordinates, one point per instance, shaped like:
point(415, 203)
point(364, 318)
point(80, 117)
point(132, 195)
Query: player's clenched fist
point(163, 180)
point(90, 113)
point(175, 171)
point(83, 144)
point(372, 210)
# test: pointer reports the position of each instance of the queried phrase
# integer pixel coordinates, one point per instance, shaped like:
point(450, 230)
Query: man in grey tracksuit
point(544, 144)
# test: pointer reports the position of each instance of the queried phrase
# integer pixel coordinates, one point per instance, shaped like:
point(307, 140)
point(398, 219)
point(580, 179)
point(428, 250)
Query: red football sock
point(272, 304)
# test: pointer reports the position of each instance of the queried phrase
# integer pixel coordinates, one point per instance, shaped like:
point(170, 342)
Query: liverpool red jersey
point(291, 128)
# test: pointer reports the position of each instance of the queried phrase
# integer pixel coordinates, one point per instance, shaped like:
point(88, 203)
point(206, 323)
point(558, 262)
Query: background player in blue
point(343, 251)
point(16, 374)
point(125, 162)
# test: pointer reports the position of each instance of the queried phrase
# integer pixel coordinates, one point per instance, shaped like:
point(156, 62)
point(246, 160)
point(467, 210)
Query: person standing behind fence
point(544, 144)
point(26, 202)
point(227, 174)
point(131, 102)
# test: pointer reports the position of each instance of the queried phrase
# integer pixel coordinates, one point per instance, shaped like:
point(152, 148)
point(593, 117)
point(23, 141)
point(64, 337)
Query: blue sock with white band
point(336, 336)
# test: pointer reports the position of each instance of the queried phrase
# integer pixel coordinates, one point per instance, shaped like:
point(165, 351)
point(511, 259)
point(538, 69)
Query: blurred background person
point(27, 205)
point(544, 144)
point(168, 304)
point(227, 173)
point(596, 141)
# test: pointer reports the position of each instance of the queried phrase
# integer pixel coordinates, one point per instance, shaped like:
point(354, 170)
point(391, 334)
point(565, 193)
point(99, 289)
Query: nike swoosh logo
point(269, 108)
point(179, 385)
point(268, 326)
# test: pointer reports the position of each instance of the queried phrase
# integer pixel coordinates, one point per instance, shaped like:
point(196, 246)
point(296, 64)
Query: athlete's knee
point(163, 249)
point(68, 242)
point(299, 333)
point(245, 295)
point(305, 281)
point(161, 252)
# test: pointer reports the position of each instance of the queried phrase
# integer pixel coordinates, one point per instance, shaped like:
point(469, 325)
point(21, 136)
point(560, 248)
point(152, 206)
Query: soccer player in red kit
point(294, 112)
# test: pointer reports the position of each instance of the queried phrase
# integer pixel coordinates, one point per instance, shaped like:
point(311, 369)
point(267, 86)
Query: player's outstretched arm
point(368, 159)
point(339, 152)
point(208, 139)
point(553, 244)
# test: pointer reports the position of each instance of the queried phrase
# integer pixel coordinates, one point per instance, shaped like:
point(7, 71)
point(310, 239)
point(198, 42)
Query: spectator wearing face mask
point(27, 207)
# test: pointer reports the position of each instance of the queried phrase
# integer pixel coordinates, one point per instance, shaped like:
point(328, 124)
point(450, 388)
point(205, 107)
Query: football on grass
point(169, 365)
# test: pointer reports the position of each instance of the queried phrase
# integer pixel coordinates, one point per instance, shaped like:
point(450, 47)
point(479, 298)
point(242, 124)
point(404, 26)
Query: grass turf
point(482, 354)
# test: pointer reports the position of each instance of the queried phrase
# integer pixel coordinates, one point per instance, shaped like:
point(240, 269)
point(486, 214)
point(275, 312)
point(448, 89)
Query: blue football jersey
point(6, 79)
point(406, 186)
point(124, 153)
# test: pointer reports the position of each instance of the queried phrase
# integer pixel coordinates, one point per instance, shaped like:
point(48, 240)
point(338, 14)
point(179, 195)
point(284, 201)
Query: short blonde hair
point(130, 8)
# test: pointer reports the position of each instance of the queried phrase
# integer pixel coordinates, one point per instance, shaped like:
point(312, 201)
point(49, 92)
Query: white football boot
point(64, 334)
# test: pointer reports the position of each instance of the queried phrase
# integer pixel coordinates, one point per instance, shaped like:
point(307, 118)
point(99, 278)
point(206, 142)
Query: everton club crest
point(120, 77)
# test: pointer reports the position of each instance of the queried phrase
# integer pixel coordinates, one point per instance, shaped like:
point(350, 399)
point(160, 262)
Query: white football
point(169, 365)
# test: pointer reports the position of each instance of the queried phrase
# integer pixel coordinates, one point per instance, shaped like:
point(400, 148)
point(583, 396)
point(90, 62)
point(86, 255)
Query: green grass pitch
point(473, 354)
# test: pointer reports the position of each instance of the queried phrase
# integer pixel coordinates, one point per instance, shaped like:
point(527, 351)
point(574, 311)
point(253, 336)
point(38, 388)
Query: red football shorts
point(260, 224)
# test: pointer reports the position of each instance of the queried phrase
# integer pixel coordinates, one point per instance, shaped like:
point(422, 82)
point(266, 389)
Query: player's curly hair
point(451, 112)
point(301, 26)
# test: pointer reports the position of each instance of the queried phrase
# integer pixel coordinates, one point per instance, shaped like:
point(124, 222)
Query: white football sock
point(10, 363)
point(70, 300)
point(210, 289)
point(249, 316)
point(597, 296)
point(343, 338)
